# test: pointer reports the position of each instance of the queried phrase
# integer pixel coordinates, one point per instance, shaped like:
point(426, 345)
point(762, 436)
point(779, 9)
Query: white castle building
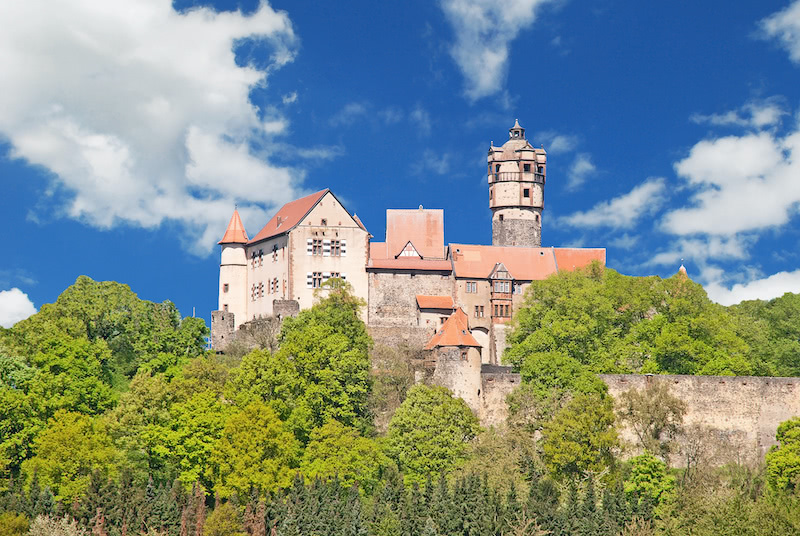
point(413, 281)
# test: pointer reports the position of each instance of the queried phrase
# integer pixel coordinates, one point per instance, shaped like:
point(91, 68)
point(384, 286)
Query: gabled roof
point(422, 227)
point(454, 332)
point(435, 302)
point(524, 264)
point(235, 233)
point(289, 216)
point(379, 258)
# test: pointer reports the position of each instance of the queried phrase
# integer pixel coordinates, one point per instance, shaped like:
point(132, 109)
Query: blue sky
point(128, 131)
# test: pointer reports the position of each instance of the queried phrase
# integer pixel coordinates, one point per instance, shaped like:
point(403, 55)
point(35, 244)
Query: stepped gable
point(289, 216)
point(454, 332)
point(235, 233)
point(435, 302)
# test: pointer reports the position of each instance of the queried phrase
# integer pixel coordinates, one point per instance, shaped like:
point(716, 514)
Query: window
point(526, 192)
point(316, 280)
point(472, 287)
point(261, 290)
point(491, 193)
point(541, 169)
point(526, 168)
point(442, 320)
point(225, 307)
point(275, 253)
point(501, 217)
point(260, 257)
point(253, 293)
point(336, 248)
point(316, 246)
point(324, 222)
point(537, 218)
point(496, 168)
point(479, 311)
point(463, 355)
point(253, 258)
point(502, 286)
point(517, 288)
point(225, 287)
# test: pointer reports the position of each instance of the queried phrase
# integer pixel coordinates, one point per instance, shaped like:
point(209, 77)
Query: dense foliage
point(612, 323)
point(114, 420)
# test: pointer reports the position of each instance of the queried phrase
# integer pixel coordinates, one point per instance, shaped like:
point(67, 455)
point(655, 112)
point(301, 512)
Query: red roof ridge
point(435, 302)
point(454, 332)
point(289, 216)
point(235, 233)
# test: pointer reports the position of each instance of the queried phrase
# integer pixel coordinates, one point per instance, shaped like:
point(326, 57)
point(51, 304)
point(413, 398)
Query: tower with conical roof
point(517, 174)
point(232, 283)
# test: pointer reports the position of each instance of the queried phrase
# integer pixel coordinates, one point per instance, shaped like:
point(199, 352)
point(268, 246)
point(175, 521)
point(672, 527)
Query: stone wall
point(222, 328)
point(412, 336)
point(743, 411)
point(458, 369)
point(738, 414)
point(516, 231)
point(284, 308)
point(392, 295)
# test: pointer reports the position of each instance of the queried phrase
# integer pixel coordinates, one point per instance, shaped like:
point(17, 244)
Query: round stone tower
point(517, 174)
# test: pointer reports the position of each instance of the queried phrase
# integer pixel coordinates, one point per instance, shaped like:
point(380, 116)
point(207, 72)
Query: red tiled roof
point(289, 216)
point(409, 263)
point(235, 233)
point(435, 302)
point(524, 264)
point(571, 258)
point(454, 332)
point(424, 228)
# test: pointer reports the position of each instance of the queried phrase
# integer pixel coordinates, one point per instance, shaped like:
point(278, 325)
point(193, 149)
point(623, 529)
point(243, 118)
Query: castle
point(453, 299)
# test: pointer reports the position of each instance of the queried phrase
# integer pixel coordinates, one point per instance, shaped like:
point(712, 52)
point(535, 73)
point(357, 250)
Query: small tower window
point(537, 218)
point(225, 287)
point(526, 168)
point(526, 192)
point(541, 169)
point(501, 217)
point(225, 307)
point(496, 168)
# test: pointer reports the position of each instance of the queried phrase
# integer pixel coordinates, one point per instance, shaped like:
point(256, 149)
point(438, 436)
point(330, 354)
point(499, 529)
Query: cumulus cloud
point(705, 248)
point(483, 31)
point(433, 162)
point(784, 26)
point(130, 104)
point(740, 183)
point(756, 114)
point(766, 288)
point(622, 211)
point(579, 171)
point(14, 306)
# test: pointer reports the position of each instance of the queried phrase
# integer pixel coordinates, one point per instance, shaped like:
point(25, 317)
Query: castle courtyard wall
point(393, 295)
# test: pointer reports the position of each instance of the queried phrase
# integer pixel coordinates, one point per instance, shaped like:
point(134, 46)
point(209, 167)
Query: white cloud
point(349, 114)
point(129, 105)
point(622, 211)
point(579, 170)
point(626, 241)
point(556, 143)
point(290, 98)
point(701, 249)
point(433, 162)
point(483, 31)
point(391, 115)
point(756, 114)
point(785, 27)
point(422, 119)
point(767, 288)
point(741, 183)
point(14, 306)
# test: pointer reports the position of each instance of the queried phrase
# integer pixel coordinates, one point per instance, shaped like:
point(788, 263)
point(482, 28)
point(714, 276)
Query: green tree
point(783, 461)
point(321, 370)
point(255, 451)
point(649, 478)
point(68, 451)
point(429, 432)
point(197, 425)
point(13, 524)
point(581, 437)
point(223, 521)
point(338, 451)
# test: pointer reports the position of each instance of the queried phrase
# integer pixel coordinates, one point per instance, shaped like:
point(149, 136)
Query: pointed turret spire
point(682, 270)
point(235, 233)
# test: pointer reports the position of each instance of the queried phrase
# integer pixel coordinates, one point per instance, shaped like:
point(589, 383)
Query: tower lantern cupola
point(516, 132)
